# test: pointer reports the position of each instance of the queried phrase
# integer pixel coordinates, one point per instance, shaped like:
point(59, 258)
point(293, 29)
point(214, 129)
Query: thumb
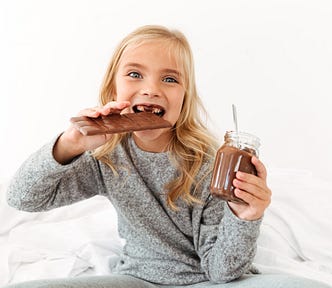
point(260, 168)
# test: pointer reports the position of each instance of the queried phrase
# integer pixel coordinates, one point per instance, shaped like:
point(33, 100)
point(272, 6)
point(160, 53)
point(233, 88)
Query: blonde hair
point(191, 142)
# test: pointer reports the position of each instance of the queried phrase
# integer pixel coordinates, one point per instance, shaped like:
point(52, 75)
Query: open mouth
point(155, 109)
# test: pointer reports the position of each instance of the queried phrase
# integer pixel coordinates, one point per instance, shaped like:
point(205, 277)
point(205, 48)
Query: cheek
point(120, 91)
point(177, 103)
point(119, 96)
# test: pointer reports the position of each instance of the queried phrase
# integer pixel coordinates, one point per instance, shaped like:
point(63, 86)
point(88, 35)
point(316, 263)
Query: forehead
point(155, 51)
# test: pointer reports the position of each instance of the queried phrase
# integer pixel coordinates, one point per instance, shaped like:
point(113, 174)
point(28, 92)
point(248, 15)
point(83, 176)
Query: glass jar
point(234, 155)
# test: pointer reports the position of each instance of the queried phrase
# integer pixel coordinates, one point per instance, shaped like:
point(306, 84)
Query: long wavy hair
point(191, 142)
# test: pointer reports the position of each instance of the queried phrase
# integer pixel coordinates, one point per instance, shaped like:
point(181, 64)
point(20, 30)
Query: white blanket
point(296, 234)
point(69, 241)
point(79, 240)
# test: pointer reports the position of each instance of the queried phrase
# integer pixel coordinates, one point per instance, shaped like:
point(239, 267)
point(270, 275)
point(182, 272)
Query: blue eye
point(170, 80)
point(135, 75)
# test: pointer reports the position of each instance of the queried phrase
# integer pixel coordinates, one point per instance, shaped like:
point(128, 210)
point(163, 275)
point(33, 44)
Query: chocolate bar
point(118, 123)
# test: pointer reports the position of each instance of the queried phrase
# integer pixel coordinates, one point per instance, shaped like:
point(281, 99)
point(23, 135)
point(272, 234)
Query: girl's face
point(150, 79)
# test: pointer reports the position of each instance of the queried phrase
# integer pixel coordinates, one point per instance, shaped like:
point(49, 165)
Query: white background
point(273, 59)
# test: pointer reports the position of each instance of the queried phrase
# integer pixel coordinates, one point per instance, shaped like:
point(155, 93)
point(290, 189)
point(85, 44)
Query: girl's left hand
point(253, 190)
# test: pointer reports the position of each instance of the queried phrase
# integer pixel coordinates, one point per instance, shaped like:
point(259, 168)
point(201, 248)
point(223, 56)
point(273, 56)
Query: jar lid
point(244, 138)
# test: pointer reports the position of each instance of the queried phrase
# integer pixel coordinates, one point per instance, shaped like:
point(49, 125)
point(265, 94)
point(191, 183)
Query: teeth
point(140, 108)
point(143, 108)
point(156, 110)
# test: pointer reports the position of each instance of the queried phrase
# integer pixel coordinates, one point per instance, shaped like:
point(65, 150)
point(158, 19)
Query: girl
point(158, 180)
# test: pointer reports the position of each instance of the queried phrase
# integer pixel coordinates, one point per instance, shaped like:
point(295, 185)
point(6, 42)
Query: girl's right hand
point(72, 143)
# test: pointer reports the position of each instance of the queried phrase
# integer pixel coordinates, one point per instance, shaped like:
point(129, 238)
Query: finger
point(117, 104)
point(251, 182)
point(245, 196)
point(260, 168)
point(114, 107)
point(250, 198)
point(110, 107)
point(260, 192)
point(90, 112)
point(256, 207)
point(250, 178)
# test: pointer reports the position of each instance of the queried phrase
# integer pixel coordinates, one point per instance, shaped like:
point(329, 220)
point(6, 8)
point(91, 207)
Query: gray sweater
point(193, 244)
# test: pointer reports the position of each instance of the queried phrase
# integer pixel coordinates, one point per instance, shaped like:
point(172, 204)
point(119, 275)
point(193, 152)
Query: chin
point(150, 135)
point(158, 138)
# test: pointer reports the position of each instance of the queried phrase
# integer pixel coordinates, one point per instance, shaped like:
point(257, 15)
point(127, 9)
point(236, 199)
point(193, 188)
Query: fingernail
point(235, 182)
point(239, 174)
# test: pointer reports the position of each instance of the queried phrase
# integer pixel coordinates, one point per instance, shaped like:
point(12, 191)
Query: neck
point(157, 145)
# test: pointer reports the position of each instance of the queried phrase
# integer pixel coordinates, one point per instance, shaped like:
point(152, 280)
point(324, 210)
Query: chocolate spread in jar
point(228, 161)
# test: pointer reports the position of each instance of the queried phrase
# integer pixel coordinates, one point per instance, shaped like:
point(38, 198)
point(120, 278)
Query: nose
point(151, 88)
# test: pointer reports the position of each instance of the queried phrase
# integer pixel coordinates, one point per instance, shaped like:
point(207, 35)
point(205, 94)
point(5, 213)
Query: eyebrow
point(167, 70)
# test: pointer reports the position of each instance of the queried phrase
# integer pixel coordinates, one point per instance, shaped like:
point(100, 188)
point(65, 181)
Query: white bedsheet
point(75, 240)
point(79, 240)
point(296, 234)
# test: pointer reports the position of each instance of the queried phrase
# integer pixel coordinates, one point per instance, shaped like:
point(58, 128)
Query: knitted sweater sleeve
point(226, 244)
point(41, 183)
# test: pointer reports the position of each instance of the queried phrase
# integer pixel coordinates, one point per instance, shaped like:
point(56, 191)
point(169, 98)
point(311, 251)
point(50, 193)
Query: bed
point(79, 240)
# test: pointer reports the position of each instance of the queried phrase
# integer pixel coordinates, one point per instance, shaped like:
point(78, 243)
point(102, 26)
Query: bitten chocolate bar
point(118, 123)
